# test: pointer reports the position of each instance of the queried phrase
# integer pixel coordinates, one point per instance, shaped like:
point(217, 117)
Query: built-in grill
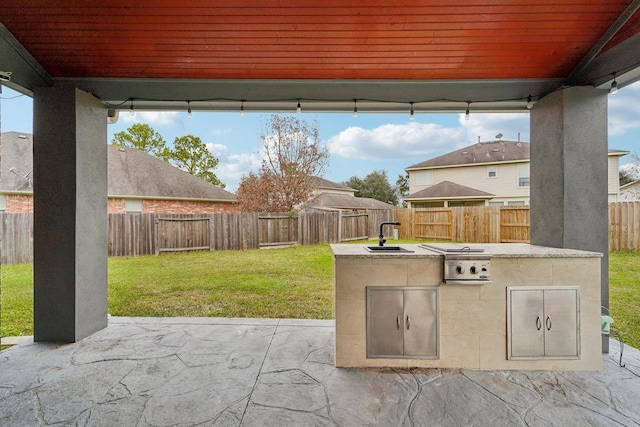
point(464, 265)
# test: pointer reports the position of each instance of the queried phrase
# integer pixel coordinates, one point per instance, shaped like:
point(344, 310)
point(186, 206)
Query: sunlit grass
point(624, 296)
point(294, 282)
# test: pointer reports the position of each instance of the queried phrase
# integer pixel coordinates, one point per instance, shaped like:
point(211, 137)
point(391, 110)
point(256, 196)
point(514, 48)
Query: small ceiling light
point(355, 108)
point(242, 108)
point(529, 103)
point(132, 111)
point(411, 115)
point(466, 113)
point(299, 109)
point(614, 86)
point(189, 113)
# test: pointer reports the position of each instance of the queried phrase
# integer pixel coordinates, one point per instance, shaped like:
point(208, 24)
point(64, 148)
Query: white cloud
point(487, 125)
point(233, 167)
point(395, 141)
point(217, 150)
point(153, 118)
point(624, 110)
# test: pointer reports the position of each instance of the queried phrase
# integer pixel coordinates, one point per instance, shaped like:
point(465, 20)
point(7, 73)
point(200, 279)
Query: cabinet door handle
point(408, 323)
point(398, 322)
point(538, 323)
point(548, 322)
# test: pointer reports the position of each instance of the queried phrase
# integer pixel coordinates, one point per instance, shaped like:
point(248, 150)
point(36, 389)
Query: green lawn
point(624, 296)
point(294, 282)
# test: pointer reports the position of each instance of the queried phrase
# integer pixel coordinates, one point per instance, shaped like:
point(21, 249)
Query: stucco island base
point(472, 320)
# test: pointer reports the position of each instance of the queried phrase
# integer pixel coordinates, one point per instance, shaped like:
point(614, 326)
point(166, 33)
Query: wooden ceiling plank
point(445, 9)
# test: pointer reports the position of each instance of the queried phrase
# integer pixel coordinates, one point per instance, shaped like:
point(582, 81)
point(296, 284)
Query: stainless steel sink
point(390, 249)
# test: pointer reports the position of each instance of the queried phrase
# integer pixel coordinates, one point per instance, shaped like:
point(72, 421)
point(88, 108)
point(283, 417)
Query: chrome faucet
point(381, 238)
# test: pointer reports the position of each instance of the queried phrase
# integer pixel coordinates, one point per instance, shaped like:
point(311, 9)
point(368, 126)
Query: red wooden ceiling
point(329, 39)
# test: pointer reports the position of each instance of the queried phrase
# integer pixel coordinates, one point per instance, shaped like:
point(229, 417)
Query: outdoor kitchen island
point(533, 308)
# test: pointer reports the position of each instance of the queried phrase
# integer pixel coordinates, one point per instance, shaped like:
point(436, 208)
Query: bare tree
point(253, 193)
point(292, 155)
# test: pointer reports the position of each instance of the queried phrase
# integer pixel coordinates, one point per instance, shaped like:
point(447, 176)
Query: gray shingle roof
point(487, 152)
point(448, 189)
point(481, 152)
point(131, 173)
point(16, 161)
point(136, 173)
point(321, 183)
point(346, 201)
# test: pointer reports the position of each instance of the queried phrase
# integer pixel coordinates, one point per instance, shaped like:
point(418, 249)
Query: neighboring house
point(332, 195)
point(630, 192)
point(344, 201)
point(137, 182)
point(483, 174)
point(321, 185)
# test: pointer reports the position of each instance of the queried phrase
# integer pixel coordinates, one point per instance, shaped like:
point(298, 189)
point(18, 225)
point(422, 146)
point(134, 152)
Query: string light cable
point(465, 105)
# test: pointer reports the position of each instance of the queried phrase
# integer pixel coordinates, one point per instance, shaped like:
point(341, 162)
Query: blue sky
point(358, 145)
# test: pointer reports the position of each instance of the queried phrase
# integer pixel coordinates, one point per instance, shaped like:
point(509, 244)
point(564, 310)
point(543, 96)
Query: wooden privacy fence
point(515, 224)
point(278, 230)
point(472, 224)
point(143, 234)
point(624, 226)
point(354, 226)
point(16, 240)
point(134, 234)
point(182, 234)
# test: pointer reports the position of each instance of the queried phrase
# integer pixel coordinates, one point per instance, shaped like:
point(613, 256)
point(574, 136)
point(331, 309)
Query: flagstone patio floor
point(279, 372)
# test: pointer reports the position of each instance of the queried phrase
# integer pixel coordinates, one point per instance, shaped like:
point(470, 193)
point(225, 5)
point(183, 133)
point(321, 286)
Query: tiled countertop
point(496, 250)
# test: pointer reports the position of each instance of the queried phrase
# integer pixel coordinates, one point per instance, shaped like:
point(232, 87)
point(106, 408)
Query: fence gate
point(182, 234)
point(354, 226)
point(433, 224)
point(277, 230)
point(514, 224)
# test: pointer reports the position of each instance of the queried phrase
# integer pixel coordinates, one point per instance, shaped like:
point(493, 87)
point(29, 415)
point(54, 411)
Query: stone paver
point(274, 372)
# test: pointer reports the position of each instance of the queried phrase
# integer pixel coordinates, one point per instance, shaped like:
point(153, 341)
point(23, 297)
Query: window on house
point(523, 175)
point(516, 203)
point(423, 178)
point(496, 203)
point(492, 171)
point(132, 205)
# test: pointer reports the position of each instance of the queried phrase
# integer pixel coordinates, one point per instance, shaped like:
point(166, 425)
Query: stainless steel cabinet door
point(561, 323)
point(526, 318)
point(420, 322)
point(385, 322)
point(543, 322)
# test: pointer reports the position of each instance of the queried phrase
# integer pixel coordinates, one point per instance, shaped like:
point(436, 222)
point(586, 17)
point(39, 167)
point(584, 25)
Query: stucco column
point(70, 214)
point(569, 145)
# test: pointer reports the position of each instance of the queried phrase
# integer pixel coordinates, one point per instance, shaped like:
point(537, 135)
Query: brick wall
point(24, 204)
point(115, 205)
point(186, 207)
point(19, 203)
